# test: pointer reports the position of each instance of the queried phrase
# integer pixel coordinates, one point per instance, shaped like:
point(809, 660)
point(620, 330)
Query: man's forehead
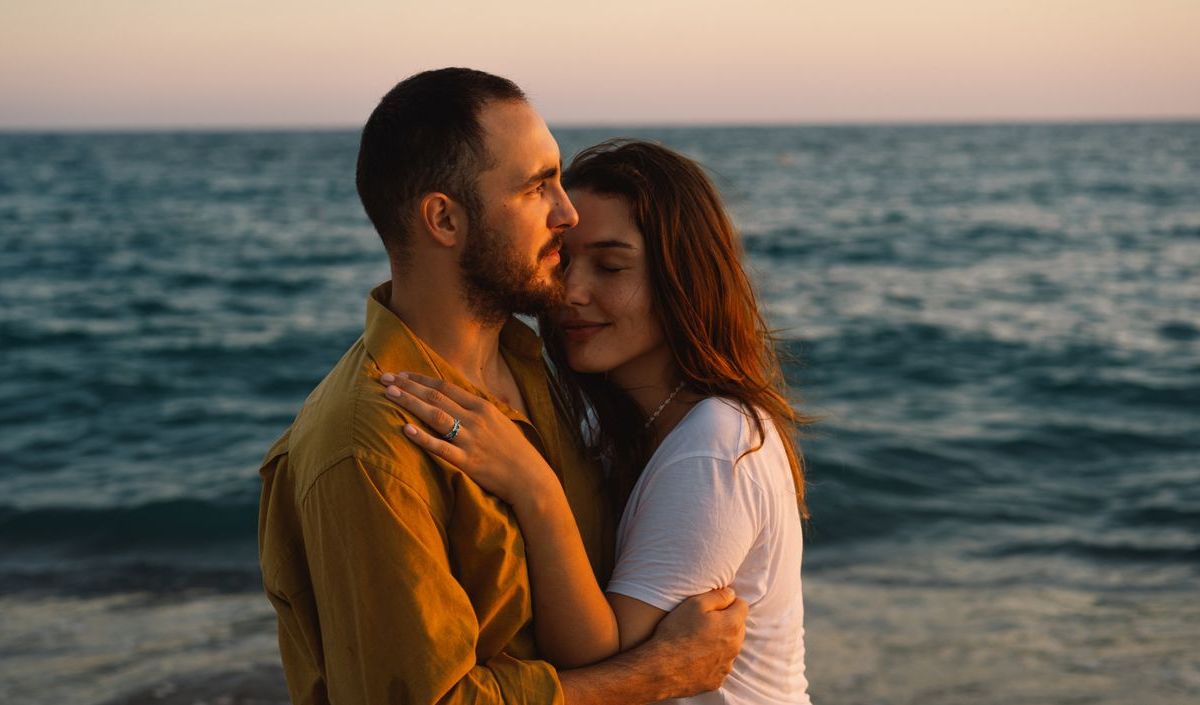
point(518, 141)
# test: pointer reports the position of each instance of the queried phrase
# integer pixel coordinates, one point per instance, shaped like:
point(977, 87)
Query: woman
point(662, 347)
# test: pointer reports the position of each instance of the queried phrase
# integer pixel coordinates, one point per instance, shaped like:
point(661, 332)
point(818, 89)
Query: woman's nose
point(576, 287)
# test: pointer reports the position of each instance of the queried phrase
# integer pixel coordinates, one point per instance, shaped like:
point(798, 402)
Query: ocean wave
point(159, 576)
point(1100, 549)
point(175, 523)
point(996, 323)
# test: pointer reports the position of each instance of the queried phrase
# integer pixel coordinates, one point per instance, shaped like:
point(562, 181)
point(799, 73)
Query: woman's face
point(609, 324)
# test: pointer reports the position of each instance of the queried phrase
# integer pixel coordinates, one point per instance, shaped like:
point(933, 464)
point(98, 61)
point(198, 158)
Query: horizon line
point(608, 124)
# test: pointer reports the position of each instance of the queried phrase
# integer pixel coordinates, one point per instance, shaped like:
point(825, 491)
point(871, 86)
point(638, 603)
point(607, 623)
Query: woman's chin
point(583, 365)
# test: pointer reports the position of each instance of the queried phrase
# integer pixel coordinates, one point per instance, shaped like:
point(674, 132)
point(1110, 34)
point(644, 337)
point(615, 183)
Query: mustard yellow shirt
point(395, 578)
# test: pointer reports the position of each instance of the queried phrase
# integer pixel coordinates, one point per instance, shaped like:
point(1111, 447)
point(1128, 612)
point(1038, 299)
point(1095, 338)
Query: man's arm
point(395, 624)
point(691, 651)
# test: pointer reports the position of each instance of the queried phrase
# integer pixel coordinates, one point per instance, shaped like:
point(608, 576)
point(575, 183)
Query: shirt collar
point(395, 348)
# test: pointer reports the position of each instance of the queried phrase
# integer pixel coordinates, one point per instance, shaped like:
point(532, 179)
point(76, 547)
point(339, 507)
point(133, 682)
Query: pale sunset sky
point(318, 63)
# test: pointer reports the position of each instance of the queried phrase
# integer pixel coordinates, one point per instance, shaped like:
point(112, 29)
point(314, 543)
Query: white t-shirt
point(699, 518)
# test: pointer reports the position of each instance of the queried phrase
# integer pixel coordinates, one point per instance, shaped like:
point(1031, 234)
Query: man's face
point(510, 261)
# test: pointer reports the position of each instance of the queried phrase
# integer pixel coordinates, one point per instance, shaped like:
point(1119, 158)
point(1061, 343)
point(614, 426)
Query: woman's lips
point(580, 332)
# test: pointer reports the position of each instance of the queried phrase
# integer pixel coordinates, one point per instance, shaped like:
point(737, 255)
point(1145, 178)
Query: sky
point(79, 64)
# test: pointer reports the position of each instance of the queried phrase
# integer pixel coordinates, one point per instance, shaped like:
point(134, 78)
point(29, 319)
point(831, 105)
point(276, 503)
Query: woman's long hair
point(702, 297)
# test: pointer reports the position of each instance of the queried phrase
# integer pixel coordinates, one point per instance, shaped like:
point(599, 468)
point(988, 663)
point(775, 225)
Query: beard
point(498, 282)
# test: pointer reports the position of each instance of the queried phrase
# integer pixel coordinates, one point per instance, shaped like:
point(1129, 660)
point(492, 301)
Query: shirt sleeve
point(396, 627)
point(686, 531)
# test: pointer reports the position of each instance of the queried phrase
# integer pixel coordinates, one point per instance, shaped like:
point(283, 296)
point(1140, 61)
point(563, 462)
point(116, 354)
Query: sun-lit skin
point(523, 194)
point(528, 214)
point(609, 323)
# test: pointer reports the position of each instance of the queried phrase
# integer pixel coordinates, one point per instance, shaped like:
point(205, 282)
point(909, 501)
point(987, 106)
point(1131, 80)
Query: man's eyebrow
point(547, 173)
point(607, 244)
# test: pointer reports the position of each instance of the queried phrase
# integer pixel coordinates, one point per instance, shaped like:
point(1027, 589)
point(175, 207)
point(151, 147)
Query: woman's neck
point(647, 379)
point(653, 383)
point(672, 414)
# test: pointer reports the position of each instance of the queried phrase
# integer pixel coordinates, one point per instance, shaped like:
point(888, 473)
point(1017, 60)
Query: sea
point(998, 326)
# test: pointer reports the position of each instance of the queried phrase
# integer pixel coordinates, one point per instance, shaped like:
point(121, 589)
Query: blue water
point(1000, 326)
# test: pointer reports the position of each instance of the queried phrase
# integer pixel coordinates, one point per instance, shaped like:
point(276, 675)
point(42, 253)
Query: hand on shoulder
point(470, 433)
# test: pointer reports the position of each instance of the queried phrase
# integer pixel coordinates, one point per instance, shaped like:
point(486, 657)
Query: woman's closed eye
point(566, 260)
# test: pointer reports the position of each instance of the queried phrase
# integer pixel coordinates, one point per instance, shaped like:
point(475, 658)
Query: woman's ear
point(443, 218)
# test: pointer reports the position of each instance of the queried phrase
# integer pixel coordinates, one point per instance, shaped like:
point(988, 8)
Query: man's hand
point(691, 651)
point(702, 637)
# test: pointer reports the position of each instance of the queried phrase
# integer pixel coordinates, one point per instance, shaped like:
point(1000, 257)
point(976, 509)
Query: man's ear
point(443, 218)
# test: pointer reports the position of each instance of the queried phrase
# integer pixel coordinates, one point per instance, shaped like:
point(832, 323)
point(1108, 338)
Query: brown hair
point(425, 136)
point(718, 338)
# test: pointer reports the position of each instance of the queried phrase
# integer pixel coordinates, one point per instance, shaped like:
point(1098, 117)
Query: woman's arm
point(636, 619)
point(558, 572)
point(689, 528)
point(574, 623)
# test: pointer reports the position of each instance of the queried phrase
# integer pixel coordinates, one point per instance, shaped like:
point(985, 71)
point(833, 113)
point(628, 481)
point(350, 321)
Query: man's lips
point(551, 248)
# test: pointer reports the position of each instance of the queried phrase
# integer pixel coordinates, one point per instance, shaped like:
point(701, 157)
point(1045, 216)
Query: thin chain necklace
point(662, 406)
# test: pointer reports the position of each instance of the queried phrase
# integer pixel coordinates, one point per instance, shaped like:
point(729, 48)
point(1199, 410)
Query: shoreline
point(866, 642)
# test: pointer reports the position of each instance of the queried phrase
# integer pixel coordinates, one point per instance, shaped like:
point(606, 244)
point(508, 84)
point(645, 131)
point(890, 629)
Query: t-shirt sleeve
point(686, 531)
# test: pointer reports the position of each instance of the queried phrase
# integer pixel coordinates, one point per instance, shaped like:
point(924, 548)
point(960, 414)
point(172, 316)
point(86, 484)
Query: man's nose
point(564, 216)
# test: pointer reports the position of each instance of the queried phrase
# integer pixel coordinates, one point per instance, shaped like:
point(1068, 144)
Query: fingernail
point(387, 378)
point(402, 375)
point(410, 429)
point(393, 391)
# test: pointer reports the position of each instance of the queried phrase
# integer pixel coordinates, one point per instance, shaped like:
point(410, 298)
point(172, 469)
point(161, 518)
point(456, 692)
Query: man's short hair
point(425, 136)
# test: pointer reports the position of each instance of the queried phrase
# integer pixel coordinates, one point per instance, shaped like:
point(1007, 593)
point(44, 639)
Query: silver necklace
point(662, 406)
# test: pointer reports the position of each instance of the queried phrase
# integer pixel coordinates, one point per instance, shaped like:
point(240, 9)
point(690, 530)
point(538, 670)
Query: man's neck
point(447, 325)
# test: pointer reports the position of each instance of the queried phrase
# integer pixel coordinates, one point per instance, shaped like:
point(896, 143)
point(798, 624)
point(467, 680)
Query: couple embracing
point(464, 511)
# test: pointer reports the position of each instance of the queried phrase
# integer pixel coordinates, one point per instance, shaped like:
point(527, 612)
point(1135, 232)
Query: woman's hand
point(573, 624)
point(488, 446)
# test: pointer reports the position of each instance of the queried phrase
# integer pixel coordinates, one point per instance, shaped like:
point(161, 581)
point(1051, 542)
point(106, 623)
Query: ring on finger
point(453, 432)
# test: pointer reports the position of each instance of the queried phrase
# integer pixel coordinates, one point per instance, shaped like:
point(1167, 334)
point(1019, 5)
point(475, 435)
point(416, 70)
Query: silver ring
point(453, 432)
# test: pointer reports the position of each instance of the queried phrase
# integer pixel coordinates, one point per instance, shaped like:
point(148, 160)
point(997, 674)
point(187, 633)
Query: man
point(394, 576)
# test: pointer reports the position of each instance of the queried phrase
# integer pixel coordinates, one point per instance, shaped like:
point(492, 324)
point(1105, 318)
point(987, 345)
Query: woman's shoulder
point(715, 427)
point(715, 457)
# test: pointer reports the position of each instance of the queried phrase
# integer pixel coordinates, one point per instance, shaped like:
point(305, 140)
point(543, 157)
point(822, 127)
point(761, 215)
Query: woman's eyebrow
point(607, 244)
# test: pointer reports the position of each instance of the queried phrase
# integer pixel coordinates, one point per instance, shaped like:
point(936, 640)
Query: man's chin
point(542, 299)
point(496, 287)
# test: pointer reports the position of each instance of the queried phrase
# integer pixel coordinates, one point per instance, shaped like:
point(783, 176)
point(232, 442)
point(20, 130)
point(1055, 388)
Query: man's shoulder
point(347, 422)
